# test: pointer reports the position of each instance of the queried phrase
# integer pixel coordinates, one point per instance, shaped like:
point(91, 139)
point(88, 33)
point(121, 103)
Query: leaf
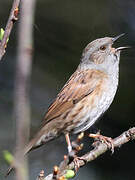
point(8, 156)
point(70, 174)
point(2, 34)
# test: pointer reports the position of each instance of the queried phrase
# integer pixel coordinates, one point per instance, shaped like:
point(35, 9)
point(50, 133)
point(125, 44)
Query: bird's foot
point(107, 140)
point(73, 149)
point(77, 162)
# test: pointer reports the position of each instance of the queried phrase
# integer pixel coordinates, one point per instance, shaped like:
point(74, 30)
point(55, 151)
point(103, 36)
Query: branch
point(99, 149)
point(12, 18)
point(23, 73)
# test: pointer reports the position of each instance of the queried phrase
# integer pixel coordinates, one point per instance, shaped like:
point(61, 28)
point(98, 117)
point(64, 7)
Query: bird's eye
point(103, 48)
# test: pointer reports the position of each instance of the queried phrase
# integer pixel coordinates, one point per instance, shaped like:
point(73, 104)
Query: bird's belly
point(94, 107)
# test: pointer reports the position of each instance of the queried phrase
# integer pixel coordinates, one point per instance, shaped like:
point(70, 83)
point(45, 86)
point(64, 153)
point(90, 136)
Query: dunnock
point(86, 96)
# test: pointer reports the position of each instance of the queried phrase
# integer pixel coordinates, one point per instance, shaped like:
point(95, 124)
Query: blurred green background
point(62, 29)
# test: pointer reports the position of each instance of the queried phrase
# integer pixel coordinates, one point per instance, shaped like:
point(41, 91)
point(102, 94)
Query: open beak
point(117, 37)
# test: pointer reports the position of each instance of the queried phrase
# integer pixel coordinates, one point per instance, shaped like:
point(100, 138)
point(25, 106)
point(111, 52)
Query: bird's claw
point(76, 162)
point(107, 140)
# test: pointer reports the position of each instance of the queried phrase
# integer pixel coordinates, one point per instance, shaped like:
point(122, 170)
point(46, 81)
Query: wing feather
point(80, 84)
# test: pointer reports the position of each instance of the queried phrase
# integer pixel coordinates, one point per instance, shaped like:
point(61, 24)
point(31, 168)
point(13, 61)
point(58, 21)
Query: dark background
point(61, 30)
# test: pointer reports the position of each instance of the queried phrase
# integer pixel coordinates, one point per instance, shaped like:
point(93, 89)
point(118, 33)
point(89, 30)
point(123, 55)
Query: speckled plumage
point(86, 96)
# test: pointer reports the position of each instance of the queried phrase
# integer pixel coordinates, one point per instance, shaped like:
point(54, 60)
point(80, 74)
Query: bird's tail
point(43, 136)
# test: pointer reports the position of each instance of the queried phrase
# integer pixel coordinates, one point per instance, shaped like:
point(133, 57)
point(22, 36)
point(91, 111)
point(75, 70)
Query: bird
point(86, 95)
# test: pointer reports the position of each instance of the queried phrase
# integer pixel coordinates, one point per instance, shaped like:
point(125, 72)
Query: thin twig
point(100, 149)
point(12, 18)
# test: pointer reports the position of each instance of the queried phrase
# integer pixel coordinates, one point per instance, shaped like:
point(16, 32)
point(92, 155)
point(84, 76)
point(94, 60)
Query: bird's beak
point(117, 37)
point(121, 48)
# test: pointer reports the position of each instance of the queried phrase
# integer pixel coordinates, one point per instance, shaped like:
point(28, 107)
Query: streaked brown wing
point(81, 84)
